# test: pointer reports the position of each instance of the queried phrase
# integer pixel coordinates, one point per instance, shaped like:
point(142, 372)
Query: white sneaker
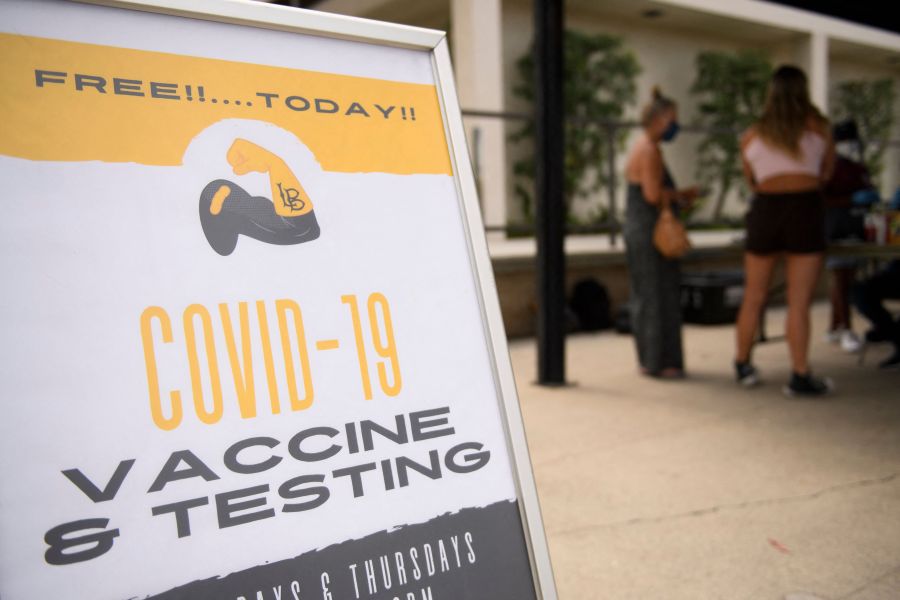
point(850, 342)
point(833, 336)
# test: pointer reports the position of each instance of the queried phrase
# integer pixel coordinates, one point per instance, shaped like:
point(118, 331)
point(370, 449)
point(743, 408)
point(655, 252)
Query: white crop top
point(767, 161)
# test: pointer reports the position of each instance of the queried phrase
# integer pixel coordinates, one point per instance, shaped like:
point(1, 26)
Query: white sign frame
point(266, 16)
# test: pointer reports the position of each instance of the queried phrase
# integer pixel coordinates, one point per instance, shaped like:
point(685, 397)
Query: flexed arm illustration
point(227, 210)
point(288, 196)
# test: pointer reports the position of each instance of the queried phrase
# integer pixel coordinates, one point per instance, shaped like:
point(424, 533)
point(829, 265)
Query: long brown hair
point(788, 109)
point(658, 104)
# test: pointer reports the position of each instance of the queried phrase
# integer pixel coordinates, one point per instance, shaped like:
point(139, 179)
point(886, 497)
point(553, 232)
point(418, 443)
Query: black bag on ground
point(711, 297)
point(622, 321)
point(590, 303)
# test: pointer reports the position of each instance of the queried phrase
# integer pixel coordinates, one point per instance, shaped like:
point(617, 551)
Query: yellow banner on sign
point(68, 101)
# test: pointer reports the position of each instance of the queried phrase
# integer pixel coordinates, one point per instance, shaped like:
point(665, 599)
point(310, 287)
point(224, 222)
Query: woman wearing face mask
point(787, 155)
point(655, 280)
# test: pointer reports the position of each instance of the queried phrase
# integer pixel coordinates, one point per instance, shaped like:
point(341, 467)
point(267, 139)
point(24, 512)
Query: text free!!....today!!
point(124, 86)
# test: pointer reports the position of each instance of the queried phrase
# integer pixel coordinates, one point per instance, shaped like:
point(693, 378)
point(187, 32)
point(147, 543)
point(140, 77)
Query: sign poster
point(243, 351)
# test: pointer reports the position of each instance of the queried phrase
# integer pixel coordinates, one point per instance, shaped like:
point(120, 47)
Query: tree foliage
point(599, 83)
point(730, 89)
point(871, 104)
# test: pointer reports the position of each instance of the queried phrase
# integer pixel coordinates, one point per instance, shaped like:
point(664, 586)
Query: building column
point(818, 70)
point(477, 46)
point(812, 55)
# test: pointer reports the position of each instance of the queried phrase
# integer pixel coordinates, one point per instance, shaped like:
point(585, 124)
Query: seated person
point(868, 298)
point(847, 195)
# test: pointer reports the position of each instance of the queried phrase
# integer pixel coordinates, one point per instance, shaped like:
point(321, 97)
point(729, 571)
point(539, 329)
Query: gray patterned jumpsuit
point(655, 303)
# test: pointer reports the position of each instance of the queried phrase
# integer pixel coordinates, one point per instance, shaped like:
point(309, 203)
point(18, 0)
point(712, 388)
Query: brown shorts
point(793, 223)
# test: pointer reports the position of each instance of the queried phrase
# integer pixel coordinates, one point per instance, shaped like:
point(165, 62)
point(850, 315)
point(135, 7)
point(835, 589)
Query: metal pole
point(611, 180)
point(550, 208)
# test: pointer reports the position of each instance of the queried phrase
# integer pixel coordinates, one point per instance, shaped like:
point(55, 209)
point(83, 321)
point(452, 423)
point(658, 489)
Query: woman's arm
point(652, 177)
point(829, 159)
point(746, 138)
point(686, 196)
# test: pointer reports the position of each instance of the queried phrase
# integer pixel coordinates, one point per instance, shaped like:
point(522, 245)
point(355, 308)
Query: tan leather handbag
point(669, 234)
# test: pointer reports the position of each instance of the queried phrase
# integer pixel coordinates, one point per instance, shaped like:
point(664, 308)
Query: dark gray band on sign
point(487, 562)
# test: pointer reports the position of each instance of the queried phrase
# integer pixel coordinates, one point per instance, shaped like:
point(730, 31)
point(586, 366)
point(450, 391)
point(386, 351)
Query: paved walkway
point(700, 490)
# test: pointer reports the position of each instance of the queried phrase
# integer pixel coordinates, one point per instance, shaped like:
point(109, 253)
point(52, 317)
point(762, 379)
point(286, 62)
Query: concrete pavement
point(698, 489)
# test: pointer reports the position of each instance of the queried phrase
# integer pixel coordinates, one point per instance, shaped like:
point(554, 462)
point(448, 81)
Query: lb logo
point(290, 197)
point(227, 211)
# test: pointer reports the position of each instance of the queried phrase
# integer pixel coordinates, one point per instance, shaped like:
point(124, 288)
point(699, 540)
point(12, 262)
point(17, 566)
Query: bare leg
point(841, 280)
point(802, 273)
point(757, 276)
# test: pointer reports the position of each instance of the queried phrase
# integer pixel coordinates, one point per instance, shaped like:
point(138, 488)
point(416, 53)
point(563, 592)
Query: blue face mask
point(671, 131)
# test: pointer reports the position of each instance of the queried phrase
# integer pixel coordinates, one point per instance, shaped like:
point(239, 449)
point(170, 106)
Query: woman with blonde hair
point(655, 280)
point(788, 155)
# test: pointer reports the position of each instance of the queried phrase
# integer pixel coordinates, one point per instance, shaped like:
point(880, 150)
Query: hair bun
point(657, 104)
